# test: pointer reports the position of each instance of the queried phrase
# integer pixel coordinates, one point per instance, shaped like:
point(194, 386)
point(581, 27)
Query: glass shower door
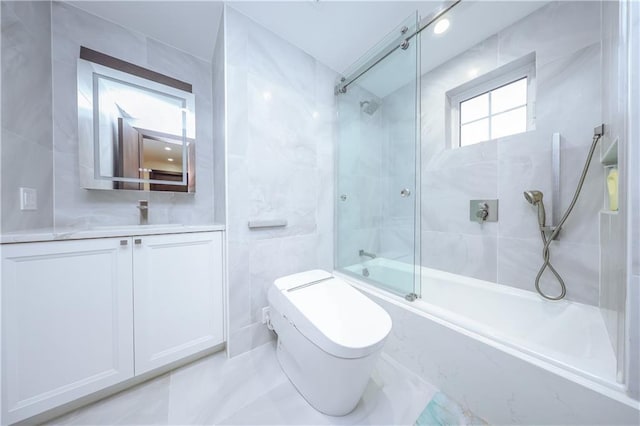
point(377, 223)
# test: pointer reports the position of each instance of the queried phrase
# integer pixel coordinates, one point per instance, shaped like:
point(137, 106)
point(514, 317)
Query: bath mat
point(442, 411)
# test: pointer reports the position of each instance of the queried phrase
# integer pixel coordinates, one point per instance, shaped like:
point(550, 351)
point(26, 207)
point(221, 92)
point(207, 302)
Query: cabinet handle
point(123, 242)
point(138, 241)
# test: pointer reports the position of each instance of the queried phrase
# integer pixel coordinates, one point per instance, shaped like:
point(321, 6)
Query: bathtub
point(477, 331)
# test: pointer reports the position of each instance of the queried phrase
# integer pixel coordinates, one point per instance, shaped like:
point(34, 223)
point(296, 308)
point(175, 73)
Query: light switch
point(28, 199)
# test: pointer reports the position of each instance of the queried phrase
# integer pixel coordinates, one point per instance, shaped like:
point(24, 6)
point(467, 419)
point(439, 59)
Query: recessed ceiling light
point(169, 159)
point(315, 114)
point(167, 148)
point(441, 26)
point(473, 72)
point(266, 95)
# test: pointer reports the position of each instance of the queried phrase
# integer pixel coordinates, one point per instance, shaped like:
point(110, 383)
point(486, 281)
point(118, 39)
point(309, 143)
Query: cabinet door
point(67, 326)
point(177, 296)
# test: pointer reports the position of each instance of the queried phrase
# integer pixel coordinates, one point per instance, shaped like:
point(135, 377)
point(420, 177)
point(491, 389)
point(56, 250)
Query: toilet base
point(330, 384)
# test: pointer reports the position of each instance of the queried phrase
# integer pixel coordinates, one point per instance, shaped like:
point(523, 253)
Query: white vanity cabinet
point(67, 322)
point(178, 300)
point(83, 315)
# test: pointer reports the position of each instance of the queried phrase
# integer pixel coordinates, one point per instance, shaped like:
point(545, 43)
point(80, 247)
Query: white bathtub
point(565, 338)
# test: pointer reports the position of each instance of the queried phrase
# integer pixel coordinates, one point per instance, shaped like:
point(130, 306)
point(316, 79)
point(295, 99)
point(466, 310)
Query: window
point(492, 106)
point(500, 112)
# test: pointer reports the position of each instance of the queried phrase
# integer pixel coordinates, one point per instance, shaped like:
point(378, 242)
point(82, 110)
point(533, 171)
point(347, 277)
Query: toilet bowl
point(329, 338)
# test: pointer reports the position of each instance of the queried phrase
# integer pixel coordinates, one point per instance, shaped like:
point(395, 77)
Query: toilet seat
point(330, 313)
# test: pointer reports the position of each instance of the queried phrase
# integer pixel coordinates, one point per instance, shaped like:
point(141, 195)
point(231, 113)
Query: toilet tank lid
point(331, 313)
point(303, 278)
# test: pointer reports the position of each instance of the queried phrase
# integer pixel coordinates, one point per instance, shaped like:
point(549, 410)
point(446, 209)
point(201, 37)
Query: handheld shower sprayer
point(534, 198)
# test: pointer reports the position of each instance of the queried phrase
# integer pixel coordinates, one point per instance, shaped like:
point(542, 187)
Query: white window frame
point(524, 67)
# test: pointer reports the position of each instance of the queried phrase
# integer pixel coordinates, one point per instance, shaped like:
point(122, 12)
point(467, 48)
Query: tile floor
point(252, 389)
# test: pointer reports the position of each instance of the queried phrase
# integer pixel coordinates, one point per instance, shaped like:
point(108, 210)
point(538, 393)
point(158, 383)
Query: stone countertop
point(37, 235)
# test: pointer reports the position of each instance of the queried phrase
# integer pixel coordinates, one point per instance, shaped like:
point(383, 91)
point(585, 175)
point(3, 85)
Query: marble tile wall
point(27, 142)
point(565, 37)
point(450, 178)
point(75, 207)
point(279, 142)
point(219, 102)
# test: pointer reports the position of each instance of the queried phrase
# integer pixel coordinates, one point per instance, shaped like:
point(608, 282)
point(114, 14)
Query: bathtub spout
point(364, 253)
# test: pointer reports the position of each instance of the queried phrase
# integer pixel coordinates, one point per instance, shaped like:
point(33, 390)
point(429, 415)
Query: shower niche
point(609, 160)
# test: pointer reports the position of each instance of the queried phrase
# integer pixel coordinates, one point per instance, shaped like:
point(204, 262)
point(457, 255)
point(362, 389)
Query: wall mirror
point(136, 127)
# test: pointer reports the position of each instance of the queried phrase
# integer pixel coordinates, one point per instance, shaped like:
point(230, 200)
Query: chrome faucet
point(364, 253)
point(143, 206)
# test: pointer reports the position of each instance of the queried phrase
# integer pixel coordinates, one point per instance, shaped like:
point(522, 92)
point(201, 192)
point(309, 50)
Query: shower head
point(369, 106)
point(533, 197)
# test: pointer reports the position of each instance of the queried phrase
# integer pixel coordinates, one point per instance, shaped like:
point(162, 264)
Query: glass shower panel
point(376, 179)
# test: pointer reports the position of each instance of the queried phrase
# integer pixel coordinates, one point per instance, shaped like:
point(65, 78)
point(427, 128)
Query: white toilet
point(329, 338)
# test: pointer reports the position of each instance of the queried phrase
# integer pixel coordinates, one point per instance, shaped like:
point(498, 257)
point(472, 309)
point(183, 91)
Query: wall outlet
point(28, 199)
point(265, 314)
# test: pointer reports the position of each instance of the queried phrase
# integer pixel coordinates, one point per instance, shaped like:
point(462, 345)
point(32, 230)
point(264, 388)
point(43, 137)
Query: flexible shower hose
point(547, 242)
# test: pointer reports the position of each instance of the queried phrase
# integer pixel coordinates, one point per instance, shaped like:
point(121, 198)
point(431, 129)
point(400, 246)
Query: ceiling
point(191, 26)
point(334, 32)
point(337, 33)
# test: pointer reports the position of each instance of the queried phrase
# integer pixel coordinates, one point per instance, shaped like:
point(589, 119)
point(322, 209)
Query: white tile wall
point(219, 126)
point(565, 37)
point(76, 207)
point(27, 143)
point(279, 142)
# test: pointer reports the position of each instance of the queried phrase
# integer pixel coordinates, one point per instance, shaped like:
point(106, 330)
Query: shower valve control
point(483, 211)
